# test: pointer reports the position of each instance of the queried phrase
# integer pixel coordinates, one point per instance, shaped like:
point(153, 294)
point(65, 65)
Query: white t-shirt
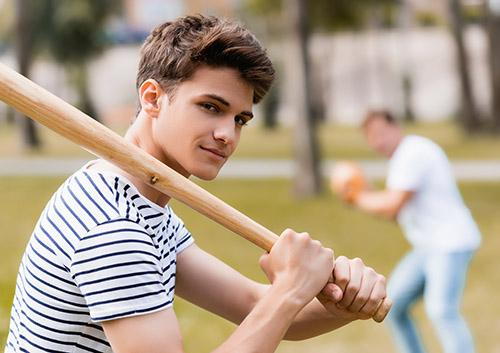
point(436, 217)
point(100, 251)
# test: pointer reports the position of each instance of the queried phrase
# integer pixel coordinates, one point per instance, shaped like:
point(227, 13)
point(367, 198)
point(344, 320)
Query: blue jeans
point(440, 279)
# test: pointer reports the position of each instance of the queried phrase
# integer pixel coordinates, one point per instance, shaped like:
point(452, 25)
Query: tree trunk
point(468, 114)
point(405, 24)
point(10, 115)
point(79, 76)
point(270, 108)
point(24, 49)
point(493, 29)
point(307, 181)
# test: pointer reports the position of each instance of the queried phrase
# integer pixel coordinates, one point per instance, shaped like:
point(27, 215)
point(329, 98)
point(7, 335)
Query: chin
point(206, 175)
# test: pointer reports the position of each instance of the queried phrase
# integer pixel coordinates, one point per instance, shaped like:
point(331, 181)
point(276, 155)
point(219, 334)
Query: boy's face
point(198, 130)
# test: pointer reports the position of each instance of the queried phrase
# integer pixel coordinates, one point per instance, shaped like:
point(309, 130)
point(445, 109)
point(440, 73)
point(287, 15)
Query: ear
point(150, 96)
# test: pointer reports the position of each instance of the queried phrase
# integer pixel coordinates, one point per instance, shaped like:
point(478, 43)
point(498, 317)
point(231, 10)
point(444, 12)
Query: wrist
point(288, 296)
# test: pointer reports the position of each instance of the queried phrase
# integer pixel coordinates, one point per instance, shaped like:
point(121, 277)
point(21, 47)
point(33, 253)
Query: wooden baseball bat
point(53, 112)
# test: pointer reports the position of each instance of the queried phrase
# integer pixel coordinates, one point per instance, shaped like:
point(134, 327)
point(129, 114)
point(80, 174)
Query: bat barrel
point(51, 111)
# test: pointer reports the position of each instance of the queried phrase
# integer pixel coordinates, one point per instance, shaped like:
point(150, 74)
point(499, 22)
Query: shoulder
point(415, 146)
point(420, 143)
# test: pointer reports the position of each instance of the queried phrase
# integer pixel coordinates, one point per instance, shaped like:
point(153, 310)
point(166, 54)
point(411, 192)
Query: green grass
point(339, 142)
point(269, 202)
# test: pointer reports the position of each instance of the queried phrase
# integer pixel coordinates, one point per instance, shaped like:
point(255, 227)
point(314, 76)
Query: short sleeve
point(408, 166)
point(183, 237)
point(117, 268)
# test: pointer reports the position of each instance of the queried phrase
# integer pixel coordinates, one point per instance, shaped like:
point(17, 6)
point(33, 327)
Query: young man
point(422, 194)
point(107, 254)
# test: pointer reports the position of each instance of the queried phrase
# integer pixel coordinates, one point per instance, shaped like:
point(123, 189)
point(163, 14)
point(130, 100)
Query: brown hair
point(174, 50)
point(378, 114)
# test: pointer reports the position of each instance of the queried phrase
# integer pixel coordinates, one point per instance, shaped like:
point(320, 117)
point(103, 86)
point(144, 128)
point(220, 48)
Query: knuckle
point(303, 236)
point(370, 272)
point(317, 243)
point(287, 233)
point(357, 261)
point(342, 258)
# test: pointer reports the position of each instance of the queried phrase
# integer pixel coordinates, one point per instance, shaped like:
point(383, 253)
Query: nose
point(225, 131)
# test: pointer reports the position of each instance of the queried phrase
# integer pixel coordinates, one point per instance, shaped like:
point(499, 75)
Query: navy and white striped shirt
point(99, 251)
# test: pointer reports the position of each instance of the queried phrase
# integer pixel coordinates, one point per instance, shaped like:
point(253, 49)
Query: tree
point(76, 35)
point(307, 180)
point(404, 24)
point(468, 113)
point(303, 16)
point(270, 107)
point(25, 34)
point(493, 30)
point(7, 22)
point(72, 32)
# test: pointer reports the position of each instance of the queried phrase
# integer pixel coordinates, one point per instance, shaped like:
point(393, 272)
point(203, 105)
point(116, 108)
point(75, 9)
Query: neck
point(140, 134)
point(397, 140)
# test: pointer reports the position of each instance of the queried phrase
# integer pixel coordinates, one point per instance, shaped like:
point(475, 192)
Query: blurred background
point(434, 63)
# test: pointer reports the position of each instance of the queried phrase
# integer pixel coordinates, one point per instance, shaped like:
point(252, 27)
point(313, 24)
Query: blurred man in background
point(422, 195)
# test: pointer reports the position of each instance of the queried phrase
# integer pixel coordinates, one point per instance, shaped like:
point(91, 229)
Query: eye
point(210, 107)
point(240, 120)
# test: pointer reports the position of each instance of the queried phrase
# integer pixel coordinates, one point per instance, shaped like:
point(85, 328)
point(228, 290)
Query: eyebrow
point(226, 103)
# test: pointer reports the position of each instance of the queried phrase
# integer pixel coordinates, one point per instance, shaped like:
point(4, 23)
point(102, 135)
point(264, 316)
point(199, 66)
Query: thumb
point(332, 292)
point(264, 265)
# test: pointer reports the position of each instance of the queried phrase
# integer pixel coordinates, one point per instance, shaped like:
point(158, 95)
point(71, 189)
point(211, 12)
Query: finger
point(368, 281)
point(352, 288)
point(376, 297)
point(341, 272)
point(383, 310)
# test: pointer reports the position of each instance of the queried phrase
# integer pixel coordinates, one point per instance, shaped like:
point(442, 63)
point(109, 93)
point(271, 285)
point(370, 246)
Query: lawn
point(338, 142)
point(349, 232)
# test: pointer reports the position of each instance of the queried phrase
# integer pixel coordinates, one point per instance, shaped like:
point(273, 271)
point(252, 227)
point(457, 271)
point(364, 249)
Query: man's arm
point(301, 267)
point(209, 283)
point(385, 203)
point(153, 333)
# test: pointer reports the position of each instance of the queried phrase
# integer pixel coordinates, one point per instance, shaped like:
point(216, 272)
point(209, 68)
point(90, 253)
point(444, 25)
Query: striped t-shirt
point(99, 251)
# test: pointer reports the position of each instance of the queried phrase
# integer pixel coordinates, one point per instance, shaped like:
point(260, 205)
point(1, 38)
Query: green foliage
point(474, 13)
point(264, 7)
point(428, 19)
point(6, 23)
point(73, 32)
point(327, 15)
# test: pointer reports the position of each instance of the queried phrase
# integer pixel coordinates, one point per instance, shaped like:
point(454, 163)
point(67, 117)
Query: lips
point(215, 151)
